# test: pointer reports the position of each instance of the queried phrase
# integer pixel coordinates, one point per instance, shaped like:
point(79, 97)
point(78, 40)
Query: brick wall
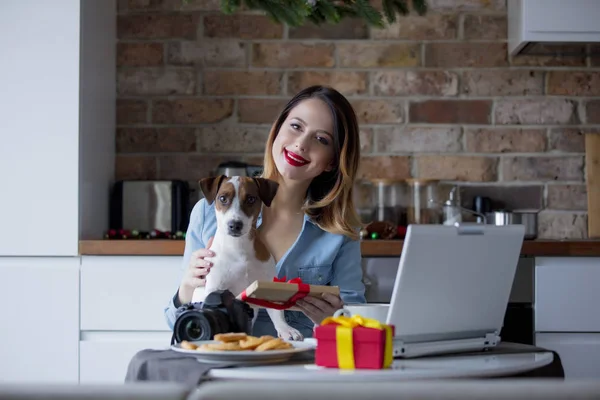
point(437, 97)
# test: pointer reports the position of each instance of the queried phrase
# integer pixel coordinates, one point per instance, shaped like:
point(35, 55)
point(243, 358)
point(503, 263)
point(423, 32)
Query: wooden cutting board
point(592, 167)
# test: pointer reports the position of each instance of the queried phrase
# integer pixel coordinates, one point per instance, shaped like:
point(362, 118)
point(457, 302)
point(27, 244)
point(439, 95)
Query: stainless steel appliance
point(526, 218)
point(148, 205)
point(237, 168)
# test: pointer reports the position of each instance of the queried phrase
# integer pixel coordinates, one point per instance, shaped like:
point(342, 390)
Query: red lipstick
point(294, 159)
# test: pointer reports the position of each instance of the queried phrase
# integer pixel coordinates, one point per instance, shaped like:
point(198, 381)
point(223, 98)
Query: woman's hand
point(317, 309)
point(195, 275)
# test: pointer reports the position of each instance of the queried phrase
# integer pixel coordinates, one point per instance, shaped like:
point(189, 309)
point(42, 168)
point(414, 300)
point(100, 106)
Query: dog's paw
point(289, 333)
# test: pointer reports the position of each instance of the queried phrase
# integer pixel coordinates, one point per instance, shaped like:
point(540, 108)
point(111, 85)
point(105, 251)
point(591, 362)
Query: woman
point(311, 227)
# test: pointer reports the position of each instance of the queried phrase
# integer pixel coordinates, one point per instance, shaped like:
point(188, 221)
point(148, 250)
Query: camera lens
point(193, 326)
point(193, 330)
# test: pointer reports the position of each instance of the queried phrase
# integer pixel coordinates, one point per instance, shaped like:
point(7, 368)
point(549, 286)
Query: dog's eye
point(223, 199)
point(250, 199)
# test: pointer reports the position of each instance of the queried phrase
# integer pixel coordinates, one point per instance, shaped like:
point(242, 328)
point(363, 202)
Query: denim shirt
point(317, 257)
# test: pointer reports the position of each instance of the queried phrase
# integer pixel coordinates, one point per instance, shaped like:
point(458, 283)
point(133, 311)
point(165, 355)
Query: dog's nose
point(235, 226)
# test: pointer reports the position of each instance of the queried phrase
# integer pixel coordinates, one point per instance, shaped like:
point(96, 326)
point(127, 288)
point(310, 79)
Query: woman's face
point(303, 148)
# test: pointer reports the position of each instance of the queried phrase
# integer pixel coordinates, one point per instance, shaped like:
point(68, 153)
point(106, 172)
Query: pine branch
point(298, 12)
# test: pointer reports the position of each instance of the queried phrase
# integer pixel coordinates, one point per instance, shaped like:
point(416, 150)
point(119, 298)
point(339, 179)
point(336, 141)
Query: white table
point(470, 366)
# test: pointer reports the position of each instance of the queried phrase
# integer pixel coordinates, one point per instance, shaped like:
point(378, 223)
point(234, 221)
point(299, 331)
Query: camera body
point(220, 312)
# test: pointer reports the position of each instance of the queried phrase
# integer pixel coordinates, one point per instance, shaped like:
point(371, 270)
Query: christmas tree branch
point(298, 12)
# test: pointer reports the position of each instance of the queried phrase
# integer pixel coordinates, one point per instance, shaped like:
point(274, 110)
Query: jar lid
point(421, 181)
point(385, 181)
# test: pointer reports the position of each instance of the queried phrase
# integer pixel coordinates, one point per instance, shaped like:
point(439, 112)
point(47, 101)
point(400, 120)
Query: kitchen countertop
point(370, 248)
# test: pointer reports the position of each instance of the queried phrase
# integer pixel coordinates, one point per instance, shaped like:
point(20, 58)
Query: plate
point(246, 356)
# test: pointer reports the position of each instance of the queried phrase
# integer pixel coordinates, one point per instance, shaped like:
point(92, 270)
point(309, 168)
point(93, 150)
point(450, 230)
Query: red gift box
point(354, 343)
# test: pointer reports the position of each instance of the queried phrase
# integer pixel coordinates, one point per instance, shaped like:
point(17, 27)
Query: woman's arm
point(193, 242)
point(348, 274)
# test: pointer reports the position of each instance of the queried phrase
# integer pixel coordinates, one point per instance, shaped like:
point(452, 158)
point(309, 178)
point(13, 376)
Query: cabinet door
point(579, 352)
point(127, 293)
point(39, 338)
point(105, 356)
point(39, 154)
point(566, 294)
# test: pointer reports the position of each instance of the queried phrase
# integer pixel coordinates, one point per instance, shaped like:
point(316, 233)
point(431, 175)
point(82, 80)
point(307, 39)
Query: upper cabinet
point(537, 26)
point(57, 123)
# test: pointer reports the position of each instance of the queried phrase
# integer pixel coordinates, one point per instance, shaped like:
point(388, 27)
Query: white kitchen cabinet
point(122, 302)
point(105, 356)
point(567, 295)
point(566, 312)
point(39, 339)
point(57, 123)
point(127, 293)
point(579, 352)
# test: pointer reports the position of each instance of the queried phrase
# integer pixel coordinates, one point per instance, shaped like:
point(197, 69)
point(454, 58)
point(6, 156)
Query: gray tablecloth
point(171, 366)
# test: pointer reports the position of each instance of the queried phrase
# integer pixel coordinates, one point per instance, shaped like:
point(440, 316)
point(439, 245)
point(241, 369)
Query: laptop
point(452, 287)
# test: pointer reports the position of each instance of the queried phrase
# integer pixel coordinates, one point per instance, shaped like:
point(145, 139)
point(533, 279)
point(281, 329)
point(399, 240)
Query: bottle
point(451, 210)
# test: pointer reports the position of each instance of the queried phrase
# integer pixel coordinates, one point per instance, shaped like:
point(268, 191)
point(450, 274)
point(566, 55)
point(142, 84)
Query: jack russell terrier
point(240, 256)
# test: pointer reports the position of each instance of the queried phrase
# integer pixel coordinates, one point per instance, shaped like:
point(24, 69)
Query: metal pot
point(527, 218)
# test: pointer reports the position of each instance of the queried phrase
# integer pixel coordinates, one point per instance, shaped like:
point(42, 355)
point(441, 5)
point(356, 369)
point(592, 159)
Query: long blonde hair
point(329, 199)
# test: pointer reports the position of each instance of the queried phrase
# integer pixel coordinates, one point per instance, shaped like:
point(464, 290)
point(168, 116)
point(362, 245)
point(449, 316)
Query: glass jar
point(387, 200)
point(422, 205)
point(362, 195)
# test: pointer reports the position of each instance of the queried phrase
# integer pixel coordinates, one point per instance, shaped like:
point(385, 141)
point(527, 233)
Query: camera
point(220, 312)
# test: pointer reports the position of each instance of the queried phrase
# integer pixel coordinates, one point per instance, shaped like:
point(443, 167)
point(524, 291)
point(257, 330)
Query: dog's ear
point(267, 189)
point(210, 187)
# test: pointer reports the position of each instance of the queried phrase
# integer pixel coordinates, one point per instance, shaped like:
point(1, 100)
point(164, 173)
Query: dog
point(240, 256)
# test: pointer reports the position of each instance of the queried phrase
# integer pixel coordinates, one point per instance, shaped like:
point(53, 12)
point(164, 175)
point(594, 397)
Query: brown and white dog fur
point(240, 256)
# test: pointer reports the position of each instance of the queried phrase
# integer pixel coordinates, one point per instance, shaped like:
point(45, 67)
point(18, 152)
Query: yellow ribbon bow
point(344, 343)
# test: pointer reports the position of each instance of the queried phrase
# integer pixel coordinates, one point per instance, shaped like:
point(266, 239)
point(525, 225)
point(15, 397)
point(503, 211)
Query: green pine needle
point(299, 12)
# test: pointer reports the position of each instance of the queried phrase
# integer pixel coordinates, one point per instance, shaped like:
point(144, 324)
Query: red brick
point(131, 111)
point(415, 83)
point(260, 111)
point(502, 82)
point(569, 139)
point(135, 167)
point(379, 111)
point(451, 111)
point(562, 225)
point(233, 139)
point(139, 54)
point(592, 111)
point(457, 55)
point(156, 81)
point(458, 168)
point(536, 111)
point(292, 55)
point(188, 167)
point(467, 5)
point(191, 111)
point(392, 167)
point(153, 140)
point(348, 83)
point(156, 26)
point(485, 27)
point(549, 55)
point(242, 26)
point(574, 83)
point(347, 28)
point(567, 197)
point(416, 27)
point(207, 54)
point(366, 140)
point(406, 139)
point(223, 82)
point(543, 168)
point(505, 140)
point(377, 54)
